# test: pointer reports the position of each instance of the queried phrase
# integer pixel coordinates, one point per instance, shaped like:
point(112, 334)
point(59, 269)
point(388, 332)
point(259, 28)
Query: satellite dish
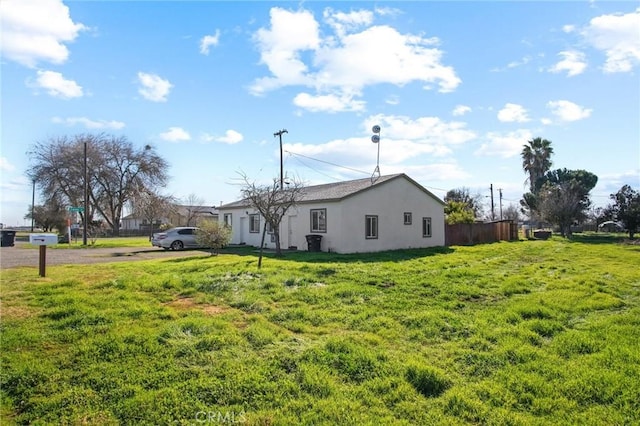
point(375, 138)
point(375, 129)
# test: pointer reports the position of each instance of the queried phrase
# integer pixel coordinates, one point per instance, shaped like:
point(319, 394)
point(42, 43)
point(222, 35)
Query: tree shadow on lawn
point(324, 257)
point(601, 238)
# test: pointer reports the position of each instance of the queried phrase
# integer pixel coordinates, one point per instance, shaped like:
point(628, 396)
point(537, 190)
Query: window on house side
point(426, 227)
point(407, 218)
point(371, 227)
point(228, 219)
point(319, 220)
point(254, 223)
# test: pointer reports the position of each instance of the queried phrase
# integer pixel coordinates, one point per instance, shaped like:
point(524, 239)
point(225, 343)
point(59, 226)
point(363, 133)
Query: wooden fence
point(480, 233)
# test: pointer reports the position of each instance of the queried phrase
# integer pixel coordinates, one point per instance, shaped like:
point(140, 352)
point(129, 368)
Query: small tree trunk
point(264, 233)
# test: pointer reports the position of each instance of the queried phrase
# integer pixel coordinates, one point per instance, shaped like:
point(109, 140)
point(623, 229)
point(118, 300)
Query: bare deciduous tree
point(115, 169)
point(194, 205)
point(150, 207)
point(272, 203)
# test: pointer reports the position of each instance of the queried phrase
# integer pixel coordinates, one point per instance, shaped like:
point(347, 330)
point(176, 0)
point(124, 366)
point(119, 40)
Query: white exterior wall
point(399, 196)
point(346, 221)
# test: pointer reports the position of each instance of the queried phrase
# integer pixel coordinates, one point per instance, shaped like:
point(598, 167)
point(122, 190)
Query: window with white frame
point(371, 227)
point(318, 220)
point(426, 227)
point(254, 223)
point(227, 219)
point(407, 218)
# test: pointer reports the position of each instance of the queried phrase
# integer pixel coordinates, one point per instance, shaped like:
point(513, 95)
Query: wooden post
point(43, 260)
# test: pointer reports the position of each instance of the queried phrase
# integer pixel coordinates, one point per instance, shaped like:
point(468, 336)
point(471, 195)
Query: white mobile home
point(356, 216)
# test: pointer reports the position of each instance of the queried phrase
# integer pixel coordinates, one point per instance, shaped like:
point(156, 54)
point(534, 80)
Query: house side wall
point(389, 202)
point(346, 221)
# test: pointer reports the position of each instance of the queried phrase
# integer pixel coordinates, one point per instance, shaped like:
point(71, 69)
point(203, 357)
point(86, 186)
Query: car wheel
point(177, 245)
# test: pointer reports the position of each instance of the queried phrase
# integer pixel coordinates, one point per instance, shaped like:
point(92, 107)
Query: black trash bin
point(8, 238)
point(313, 242)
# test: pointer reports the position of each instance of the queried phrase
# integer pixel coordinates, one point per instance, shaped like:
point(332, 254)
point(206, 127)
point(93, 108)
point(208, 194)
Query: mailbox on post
point(43, 240)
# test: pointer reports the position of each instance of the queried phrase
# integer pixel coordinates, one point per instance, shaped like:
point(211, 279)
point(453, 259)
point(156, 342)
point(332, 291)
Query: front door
point(243, 226)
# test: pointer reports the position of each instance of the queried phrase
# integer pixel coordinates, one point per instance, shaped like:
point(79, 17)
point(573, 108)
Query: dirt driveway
point(24, 255)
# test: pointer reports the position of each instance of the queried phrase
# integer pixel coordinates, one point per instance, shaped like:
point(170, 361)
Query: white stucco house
point(357, 216)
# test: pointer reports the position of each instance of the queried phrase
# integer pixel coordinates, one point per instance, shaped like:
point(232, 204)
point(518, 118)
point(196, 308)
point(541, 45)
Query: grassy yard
point(531, 332)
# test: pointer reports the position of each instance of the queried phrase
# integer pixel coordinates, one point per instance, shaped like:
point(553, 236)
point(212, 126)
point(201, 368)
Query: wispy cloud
point(460, 110)
point(209, 40)
point(88, 123)
point(175, 134)
point(230, 137)
point(56, 85)
point(513, 113)
point(153, 87)
point(573, 62)
point(568, 111)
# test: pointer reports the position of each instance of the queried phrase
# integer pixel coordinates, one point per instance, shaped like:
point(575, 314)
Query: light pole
point(279, 133)
point(375, 138)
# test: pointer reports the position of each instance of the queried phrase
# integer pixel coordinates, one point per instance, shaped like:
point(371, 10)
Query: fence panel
point(480, 233)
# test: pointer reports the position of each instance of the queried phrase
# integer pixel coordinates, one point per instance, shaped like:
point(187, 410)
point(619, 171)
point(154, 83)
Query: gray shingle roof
point(337, 191)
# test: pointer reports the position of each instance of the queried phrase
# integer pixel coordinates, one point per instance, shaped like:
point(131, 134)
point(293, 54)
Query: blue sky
point(456, 87)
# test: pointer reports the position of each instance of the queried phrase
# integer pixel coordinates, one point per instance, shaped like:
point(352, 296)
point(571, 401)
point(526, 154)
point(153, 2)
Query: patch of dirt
point(189, 303)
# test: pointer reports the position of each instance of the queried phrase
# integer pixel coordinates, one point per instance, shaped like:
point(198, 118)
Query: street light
point(375, 138)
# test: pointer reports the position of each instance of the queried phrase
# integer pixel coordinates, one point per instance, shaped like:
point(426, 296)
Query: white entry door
point(290, 237)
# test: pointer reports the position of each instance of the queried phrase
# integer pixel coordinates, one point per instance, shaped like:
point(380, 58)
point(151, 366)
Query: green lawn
point(531, 332)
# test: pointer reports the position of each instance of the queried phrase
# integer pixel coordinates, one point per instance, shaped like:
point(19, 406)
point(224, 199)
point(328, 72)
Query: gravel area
point(24, 255)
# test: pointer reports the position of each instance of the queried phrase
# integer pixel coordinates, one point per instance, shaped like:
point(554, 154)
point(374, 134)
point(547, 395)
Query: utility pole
point(500, 192)
point(493, 216)
point(279, 133)
point(86, 198)
point(33, 201)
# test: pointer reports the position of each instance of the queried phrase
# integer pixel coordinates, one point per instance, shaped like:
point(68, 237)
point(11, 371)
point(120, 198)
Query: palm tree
point(536, 160)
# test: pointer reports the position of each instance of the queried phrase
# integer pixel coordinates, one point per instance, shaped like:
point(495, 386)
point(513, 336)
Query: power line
point(295, 154)
point(326, 162)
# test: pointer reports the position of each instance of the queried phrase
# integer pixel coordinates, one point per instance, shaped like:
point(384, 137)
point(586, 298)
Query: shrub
point(212, 234)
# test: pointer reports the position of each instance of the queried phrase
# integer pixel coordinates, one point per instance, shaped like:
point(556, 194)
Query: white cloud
point(328, 103)
point(209, 40)
point(230, 137)
point(568, 28)
point(154, 88)
point(504, 145)
point(573, 62)
point(88, 123)
point(56, 85)
point(5, 165)
point(461, 110)
point(513, 113)
point(351, 55)
point(402, 139)
point(36, 30)
point(617, 36)
point(426, 130)
point(568, 111)
point(175, 134)
point(343, 23)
